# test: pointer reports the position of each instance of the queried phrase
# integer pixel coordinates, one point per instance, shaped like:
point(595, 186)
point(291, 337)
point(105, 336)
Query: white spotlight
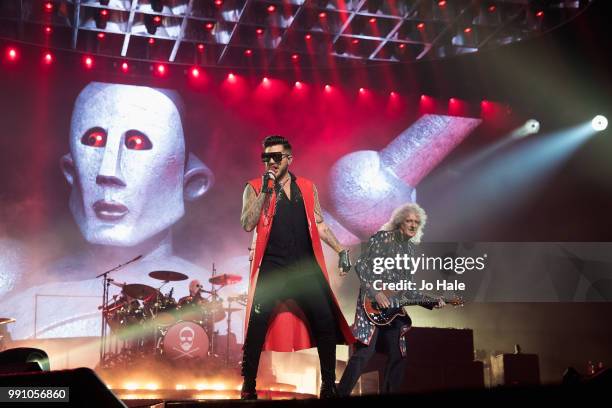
point(532, 126)
point(599, 123)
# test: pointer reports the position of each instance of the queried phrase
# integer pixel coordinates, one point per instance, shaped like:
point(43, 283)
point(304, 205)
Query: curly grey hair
point(399, 215)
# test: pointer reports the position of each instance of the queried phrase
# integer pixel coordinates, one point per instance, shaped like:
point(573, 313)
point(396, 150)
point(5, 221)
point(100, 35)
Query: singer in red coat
point(291, 305)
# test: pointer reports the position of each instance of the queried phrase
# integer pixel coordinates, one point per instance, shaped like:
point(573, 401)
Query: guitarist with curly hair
point(380, 320)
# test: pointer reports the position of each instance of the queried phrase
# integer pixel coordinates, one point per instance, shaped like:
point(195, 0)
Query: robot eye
point(94, 137)
point(135, 140)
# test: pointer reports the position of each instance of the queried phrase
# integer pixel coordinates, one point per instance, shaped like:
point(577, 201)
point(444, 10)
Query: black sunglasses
point(276, 156)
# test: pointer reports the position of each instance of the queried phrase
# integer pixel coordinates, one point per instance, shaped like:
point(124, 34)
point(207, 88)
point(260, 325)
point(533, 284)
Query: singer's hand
point(268, 180)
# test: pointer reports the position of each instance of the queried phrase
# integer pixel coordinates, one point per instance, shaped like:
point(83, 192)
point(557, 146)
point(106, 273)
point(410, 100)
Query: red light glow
point(492, 9)
point(104, 13)
point(248, 52)
point(540, 14)
point(373, 20)
point(322, 14)
point(209, 26)
point(12, 54)
point(259, 31)
point(200, 47)
point(328, 88)
point(231, 78)
point(48, 30)
point(195, 72)
point(442, 3)
point(421, 26)
point(298, 84)
point(48, 6)
point(101, 36)
point(218, 3)
point(355, 41)
point(151, 41)
point(160, 69)
point(47, 58)
point(308, 36)
point(467, 30)
point(295, 57)
point(402, 46)
point(88, 61)
point(271, 8)
point(157, 19)
point(125, 67)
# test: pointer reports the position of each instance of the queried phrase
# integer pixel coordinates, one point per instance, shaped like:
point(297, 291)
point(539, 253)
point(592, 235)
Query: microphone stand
point(105, 284)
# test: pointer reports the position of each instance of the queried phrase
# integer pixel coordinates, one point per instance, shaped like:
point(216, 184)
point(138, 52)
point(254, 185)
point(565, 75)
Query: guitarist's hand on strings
point(382, 300)
point(441, 303)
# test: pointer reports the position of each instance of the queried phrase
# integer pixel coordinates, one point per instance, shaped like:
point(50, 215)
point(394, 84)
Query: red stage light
point(125, 67)
point(355, 41)
point(11, 54)
point(47, 58)
point(48, 30)
point(402, 46)
point(322, 14)
point(362, 90)
point(421, 26)
point(328, 88)
point(200, 47)
point(308, 36)
point(540, 14)
point(101, 36)
point(271, 8)
point(492, 9)
point(104, 12)
point(195, 72)
point(265, 80)
point(231, 78)
point(392, 94)
point(248, 52)
point(467, 30)
point(49, 6)
point(209, 26)
point(218, 3)
point(295, 57)
point(88, 61)
point(442, 3)
point(151, 41)
point(160, 69)
point(373, 20)
point(298, 84)
point(259, 31)
point(157, 19)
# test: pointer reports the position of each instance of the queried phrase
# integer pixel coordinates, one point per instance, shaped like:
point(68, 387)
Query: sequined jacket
point(382, 244)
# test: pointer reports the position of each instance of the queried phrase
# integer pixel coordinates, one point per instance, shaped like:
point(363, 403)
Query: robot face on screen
point(127, 164)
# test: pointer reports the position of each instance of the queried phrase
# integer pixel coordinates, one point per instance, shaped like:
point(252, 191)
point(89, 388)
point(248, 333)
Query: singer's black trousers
point(309, 290)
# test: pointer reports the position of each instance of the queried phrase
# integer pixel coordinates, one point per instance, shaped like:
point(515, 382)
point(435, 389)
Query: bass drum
point(184, 341)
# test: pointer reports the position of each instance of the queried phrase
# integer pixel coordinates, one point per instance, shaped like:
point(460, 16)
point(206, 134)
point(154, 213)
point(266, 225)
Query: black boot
point(248, 391)
point(328, 390)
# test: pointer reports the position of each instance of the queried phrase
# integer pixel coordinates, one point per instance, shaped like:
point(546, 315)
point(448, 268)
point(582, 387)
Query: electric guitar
point(382, 316)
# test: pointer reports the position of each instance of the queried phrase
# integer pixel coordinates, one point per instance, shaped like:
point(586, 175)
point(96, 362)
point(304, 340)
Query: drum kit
point(145, 322)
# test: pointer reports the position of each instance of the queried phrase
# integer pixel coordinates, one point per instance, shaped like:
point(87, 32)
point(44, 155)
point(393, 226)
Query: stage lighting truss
point(321, 33)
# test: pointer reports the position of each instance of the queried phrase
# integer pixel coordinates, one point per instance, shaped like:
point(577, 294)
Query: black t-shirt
point(289, 242)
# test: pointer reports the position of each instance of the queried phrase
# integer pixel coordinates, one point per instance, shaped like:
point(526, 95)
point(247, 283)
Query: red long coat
point(287, 330)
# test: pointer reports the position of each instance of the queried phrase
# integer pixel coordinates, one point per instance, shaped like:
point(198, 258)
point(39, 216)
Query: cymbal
point(225, 279)
point(6, 320)
point(168, 276)
point(138, 291)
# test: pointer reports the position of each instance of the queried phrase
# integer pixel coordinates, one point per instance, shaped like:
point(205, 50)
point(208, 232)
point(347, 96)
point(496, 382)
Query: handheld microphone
point(268, 182)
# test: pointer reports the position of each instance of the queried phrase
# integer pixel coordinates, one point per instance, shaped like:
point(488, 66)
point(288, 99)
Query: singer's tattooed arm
point(325, 232)
point(251, 208)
